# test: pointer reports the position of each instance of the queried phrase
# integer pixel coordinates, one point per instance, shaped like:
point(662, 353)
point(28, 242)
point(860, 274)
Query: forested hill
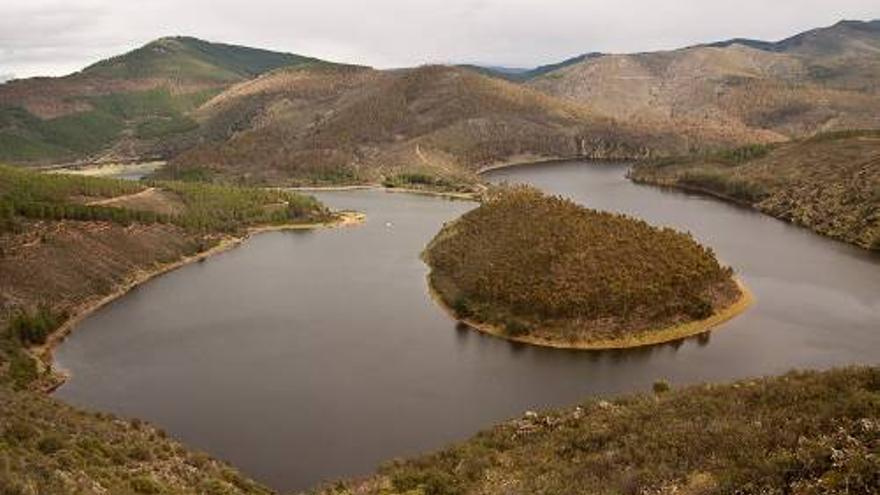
point(126, 107)
point(544, 270)
point(191, 59)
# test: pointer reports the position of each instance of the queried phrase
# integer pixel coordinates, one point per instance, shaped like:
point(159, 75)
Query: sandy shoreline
point(44, 352)
point(666, 335)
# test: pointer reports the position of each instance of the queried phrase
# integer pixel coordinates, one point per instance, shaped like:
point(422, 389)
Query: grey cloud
point(54, 37)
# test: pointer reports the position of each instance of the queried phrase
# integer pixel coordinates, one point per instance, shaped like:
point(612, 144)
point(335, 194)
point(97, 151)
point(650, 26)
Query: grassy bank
point(804, 432)
point(828, 183)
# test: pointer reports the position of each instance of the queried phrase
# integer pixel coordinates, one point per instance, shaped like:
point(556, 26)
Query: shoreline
point(674, 186)
point(472, 196)
point(649, 338)
point(44, 353)
point(542, 160)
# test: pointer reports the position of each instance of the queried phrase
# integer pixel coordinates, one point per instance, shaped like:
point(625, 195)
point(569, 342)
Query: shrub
point(50, 444)
point(217, 487)
point(737, 156)
point(516, 328)
point(22, 369)
point(461, 308)
point(427, 481)
point(146, 485)
point(699, 309)
point(661, 386)
point(34, 328)
point(19, 433)
point(140, 453)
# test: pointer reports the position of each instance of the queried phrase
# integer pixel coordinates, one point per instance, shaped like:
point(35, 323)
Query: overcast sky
point(55, 37)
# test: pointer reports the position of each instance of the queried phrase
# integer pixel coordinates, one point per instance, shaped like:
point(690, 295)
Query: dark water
point(305, 356)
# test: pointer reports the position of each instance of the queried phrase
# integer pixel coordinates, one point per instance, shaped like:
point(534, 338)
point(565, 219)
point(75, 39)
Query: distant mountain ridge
point(191, 58)
point(523, 74)
point(272, 116)
point(871, 27)
point(821, 80)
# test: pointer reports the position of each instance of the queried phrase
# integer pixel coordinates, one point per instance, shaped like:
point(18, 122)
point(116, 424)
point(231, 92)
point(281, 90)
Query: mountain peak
point(193, 59)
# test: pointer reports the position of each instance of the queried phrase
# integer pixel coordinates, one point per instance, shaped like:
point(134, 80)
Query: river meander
point(311, 355)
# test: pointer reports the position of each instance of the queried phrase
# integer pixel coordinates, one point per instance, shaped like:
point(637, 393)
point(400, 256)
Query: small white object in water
point(388, 225)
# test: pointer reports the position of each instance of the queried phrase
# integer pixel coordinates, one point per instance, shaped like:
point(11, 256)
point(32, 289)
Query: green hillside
point(130, 107)
point(194, 59)
point(151, 114)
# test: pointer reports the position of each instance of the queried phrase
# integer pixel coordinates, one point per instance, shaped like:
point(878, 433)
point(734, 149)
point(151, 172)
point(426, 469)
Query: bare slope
point(821, 80)
point(431, 126)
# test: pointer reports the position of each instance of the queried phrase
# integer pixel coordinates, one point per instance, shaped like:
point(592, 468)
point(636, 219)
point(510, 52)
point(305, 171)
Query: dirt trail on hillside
point(150, 199)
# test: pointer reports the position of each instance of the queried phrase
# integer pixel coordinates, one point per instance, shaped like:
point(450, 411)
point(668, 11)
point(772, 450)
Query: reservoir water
point(309, 356)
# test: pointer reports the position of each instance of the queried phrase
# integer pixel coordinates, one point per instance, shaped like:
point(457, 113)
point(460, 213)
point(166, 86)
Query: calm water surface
point(307, 356)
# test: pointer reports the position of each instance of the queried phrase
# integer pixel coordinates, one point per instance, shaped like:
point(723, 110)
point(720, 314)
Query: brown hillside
point(821, 80)
point(433, 124)
point(134, 106)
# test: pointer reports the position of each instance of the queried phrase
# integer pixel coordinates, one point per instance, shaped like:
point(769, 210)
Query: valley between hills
point(787, 129)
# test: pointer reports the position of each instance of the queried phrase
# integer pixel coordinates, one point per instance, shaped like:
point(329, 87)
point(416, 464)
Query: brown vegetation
point(314, 125)
point(829, 183)
point(804, 433)
point(746, 90)
point(546, 268)
point(49, 448)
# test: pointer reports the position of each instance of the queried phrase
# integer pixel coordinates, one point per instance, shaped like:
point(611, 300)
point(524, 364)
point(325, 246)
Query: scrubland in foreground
point(803, 432)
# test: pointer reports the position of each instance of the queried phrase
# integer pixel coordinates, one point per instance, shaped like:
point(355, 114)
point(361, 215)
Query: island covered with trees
point(543, 270)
